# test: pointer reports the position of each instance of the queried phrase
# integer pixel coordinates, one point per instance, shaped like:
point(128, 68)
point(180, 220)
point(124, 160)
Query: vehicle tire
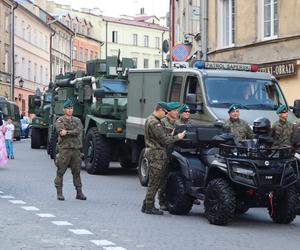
point(219, 202)
point(241, 207)
point(53, 145)
point(143, 169)
point(96, 152)
point(35, 138)
point(284, 206)
point(178, 201)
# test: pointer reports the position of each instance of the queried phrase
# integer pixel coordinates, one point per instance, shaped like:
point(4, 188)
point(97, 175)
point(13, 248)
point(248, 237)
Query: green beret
point(68, 103)
point(164, 105)
point(183, 108)
point(173, 105)
point(233, 107)
point(282, 109)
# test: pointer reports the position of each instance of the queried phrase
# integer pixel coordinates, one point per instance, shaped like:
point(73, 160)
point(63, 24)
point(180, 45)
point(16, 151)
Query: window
point(29, 70)
point(34, 38)
point(86, 54)
point(156, 63)
point(176, 88)
point(96, 55)
point(146, 63)
point(41, 74)
point(74, 52)
point(81, 55)
point(6, 22)
point(23, 29)
point(46, 75)
point(46, 42)
point(135, 39)
point(226, 22)
point(29, 33)
point(115, 36)
point(270, 18)
point(157, 42)
point(88, 31)
point(16, 65)
point(35, 73)
point(135, 61)
point(146, 41)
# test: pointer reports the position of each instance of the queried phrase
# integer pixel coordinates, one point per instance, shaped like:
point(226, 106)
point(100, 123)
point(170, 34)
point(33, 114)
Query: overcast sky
point(122, 7)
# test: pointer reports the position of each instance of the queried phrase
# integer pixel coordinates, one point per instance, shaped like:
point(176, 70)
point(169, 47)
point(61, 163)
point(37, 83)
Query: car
point(25, 127)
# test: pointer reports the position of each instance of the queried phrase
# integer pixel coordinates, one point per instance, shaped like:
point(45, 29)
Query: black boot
point(80, 195)
point(154, 211)
point(60, 195)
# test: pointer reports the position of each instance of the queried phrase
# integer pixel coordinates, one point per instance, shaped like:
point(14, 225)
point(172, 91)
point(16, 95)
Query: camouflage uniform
point(69, 149)
point(240, 129)
point(282, 133)
point(156, 140)
point(181, 121)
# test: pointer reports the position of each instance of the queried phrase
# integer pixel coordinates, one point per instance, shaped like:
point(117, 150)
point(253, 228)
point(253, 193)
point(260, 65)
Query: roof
point(144, 18)
point(133, 23)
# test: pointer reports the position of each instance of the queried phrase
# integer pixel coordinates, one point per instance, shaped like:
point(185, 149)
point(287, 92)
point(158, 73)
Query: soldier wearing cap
point(156, 141)
point(168, 123)
point(239, 128)
point(282, 130)
point(184, 115)
point(69, 129)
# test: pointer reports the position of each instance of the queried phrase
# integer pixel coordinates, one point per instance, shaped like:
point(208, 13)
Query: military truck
point(209, 89)
point(39, 105)
point(10, 108)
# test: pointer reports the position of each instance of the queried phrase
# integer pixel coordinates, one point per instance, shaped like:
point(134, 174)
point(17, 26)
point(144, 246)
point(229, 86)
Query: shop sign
point(280, 69)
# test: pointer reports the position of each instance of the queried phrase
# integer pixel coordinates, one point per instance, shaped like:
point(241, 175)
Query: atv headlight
point(110, 126)
point(243, 171)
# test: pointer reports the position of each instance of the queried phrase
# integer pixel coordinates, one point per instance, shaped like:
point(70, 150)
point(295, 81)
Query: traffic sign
point(180, 52)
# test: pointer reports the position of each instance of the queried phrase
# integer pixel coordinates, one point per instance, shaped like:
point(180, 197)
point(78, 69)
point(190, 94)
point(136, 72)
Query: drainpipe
point(12, 50)
point(204, 28)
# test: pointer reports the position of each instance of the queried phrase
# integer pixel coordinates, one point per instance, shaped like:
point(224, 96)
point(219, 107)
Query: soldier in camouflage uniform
point(69, 130)
point(282, 130)
point(184, 115)
point(238, 127)
point(156, 141)
point(168, 123)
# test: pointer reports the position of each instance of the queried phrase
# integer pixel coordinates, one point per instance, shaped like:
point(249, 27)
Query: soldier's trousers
point(156, 177)
point(72, 158)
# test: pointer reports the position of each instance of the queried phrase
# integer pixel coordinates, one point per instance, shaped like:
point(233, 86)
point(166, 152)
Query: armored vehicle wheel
point(35, 138)
point(96, 152)
point(178, 201)
point(284, 206)
point(143, 169)
point(220, 202)
point(241, 207)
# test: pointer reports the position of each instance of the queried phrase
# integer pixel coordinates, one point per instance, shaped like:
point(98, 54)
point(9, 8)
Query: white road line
point(6, 197)
point(17, 202)
point(46, 215)
point(1, 192)
point(114, 248)
point(80, 231)
point(30, 208)
point(62, 223)
point(103, 243)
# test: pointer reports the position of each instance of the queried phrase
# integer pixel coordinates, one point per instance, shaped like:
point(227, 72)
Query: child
point(9, 137)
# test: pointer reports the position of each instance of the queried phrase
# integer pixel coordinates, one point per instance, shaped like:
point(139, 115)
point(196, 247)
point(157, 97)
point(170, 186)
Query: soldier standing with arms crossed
point(156, 141)
point(69, 130)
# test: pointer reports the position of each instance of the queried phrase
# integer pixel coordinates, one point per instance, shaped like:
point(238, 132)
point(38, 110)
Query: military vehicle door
point(176, 87)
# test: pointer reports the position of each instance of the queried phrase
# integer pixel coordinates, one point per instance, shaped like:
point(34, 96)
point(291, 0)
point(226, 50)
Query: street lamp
point(21, 83)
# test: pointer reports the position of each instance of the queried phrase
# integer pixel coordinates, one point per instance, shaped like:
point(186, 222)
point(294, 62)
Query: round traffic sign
point(180, 52)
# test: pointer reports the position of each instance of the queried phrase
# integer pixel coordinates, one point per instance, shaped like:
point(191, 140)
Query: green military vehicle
point(39, 105)
point(209, 89)
point(11, 109)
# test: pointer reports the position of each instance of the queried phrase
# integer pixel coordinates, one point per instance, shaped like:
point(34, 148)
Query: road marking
point(1, 192)
point(17, 202)
point(103, 243)
point(7, 197)
point(46, 215)
point(114, 248)
point(62, 223)
point(30, 208)
point(80, 231)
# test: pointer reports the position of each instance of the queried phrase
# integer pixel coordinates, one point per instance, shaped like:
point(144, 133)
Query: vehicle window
point(250, 93)
point(192, 93)
point(176, 88)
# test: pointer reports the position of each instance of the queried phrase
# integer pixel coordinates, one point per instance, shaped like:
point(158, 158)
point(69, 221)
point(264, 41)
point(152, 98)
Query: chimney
point(142, 12)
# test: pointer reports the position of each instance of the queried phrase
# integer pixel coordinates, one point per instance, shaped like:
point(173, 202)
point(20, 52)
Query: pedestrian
point(156, 141)
point(238, 127)
point(3, 152)
point(69, 129)
point(282, 130)
point(168, 123)
point(184, 115)
point(9, 129)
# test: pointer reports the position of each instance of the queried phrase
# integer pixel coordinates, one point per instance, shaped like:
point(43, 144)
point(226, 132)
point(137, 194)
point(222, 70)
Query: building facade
point(137, 37)
point(5, 48)
point(31, 56)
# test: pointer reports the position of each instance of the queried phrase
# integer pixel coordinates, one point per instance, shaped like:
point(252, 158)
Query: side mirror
point(191, 101)
point(99, 93)
point(296, 108)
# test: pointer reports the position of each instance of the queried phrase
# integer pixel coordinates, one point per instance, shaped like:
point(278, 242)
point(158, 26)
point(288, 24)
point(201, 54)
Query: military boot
point(60, 195)
point(154, 211)
point(80, 195)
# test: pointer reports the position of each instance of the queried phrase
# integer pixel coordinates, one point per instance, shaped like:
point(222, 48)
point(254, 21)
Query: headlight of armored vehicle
point(110, 126)
point(243, 171)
